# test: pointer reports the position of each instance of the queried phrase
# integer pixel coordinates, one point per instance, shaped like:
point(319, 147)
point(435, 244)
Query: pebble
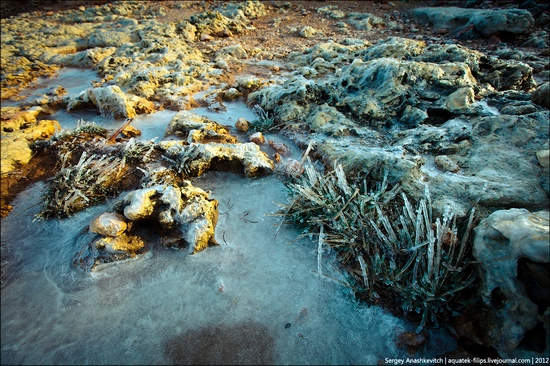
point(445, 163)
point(242, 125)
point(257, 138)
point(279, 147)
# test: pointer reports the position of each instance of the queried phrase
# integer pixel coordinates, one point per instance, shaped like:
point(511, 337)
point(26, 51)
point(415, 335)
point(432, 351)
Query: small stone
point(224, 33)
point(277, 157)
point(541, 95)
point(242, 125)
point(460, 100)
point(131, 131)
point(249, 82)
point(307, 32)
point(443, 162)
point(109, 224)
point(257, 138)
point(231, 94)
point(411, 341)
point(279, 147)
point(206, 37)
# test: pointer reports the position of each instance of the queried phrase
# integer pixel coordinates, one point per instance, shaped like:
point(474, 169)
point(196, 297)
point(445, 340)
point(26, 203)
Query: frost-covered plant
point(264, 121)
point(391, 250)
point(82, 128)
point(77, 187)
point(136, 152)
point(181, 159)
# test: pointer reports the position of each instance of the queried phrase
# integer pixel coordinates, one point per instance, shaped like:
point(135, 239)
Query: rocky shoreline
point(450, 99)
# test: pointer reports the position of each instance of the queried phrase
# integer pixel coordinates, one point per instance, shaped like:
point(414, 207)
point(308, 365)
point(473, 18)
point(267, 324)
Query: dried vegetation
point(392, 248)
point(90, 169)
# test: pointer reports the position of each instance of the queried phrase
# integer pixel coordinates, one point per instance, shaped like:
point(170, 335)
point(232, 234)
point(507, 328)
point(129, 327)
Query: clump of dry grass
point(391, 247)
point(77, 187)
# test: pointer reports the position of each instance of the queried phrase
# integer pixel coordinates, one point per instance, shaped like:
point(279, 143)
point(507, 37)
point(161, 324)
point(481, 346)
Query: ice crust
point(170, 307)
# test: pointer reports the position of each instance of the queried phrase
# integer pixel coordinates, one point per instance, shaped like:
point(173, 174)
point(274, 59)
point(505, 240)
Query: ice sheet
point(254, 299)
point(74, 80)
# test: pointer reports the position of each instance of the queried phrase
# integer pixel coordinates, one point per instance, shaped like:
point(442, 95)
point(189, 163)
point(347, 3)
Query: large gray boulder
point(483, 21)
point(501, 240)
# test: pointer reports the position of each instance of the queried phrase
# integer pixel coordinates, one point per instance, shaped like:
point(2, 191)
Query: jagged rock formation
point(483, 21)
point(184, 215)
point(513, 249)
point(402, 103)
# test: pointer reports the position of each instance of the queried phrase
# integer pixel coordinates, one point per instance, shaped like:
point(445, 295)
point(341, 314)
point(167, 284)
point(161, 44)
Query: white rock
point(245, 157)
point(257, 138)
point(112, 101)
point(141, 205)
point(109, 224)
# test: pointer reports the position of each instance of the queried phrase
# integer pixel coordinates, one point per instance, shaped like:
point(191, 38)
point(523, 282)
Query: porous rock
point(445, 163)
point(127, 244)
point(308, 32)
point(425, 88)
point(19, 128)
point(257, 138)
point(500, 240)
point(242, 124)
point(460, 101)
point(108, 224)
point(247, 158)
point(484, 21)
point(197, 128)
point(185, 213)
point(366, 21)
point(111, 101)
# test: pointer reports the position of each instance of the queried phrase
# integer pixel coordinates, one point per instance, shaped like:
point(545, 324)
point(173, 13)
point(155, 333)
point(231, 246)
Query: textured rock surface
point(112, 102)
point(19, 128)
point(186, 214)
point(196, 159)
point(109, 224)
point(422, 94)
point(500, 240)
point(196, 128)
point(485, 22)
point(541, 95)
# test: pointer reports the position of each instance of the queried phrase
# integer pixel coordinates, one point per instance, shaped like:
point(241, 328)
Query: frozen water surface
point(74, 80)
point(254, 299)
